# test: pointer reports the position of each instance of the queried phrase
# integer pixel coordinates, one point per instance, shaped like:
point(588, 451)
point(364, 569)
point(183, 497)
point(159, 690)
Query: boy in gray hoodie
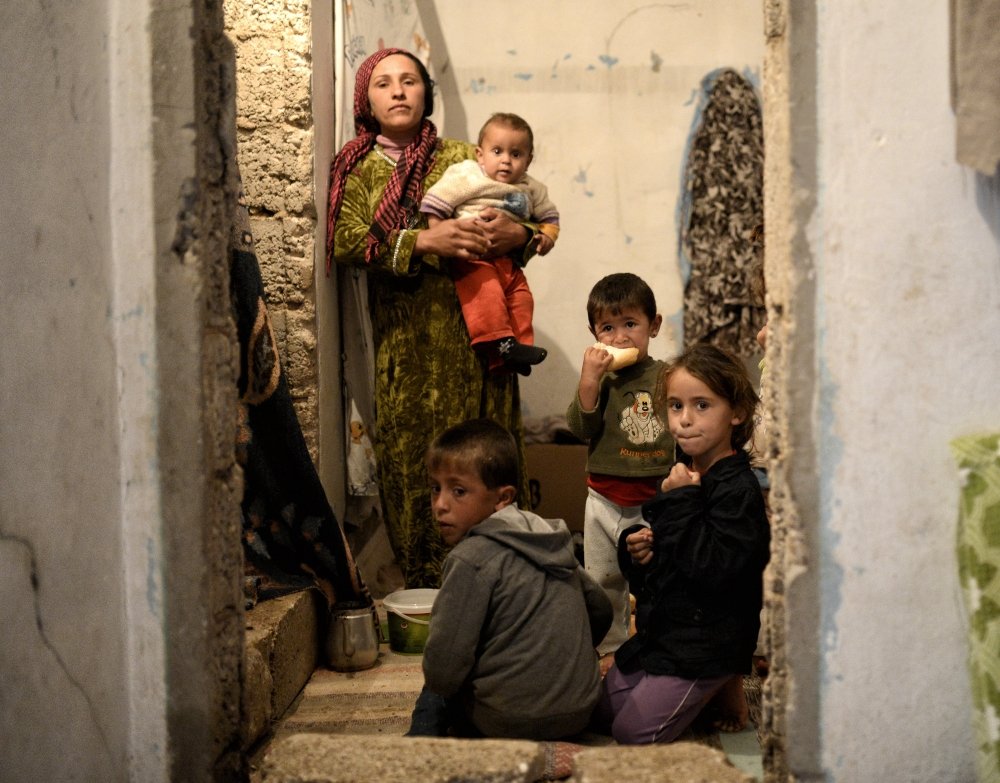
point(511, 649)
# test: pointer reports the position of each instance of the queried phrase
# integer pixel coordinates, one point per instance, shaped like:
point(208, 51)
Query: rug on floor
point(374, 701)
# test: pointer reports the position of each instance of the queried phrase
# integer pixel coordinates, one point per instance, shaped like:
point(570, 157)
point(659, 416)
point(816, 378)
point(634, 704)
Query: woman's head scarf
point(403, 192)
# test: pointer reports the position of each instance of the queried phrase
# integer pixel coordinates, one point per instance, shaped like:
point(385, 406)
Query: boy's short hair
point(512, 121)
point(481, 444)
point(722, 372)
point(614, 293)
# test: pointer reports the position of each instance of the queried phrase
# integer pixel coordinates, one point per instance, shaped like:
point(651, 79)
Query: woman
point(427, 377)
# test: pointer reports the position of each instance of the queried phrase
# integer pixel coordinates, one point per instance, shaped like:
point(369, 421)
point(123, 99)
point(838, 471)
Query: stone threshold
point(323, 758)
point(280, 653)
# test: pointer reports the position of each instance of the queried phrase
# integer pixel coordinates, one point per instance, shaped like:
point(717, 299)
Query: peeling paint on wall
point(581, 179)
point(480, 86)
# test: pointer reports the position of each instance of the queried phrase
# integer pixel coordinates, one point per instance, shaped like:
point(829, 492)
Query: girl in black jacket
point(696, 570)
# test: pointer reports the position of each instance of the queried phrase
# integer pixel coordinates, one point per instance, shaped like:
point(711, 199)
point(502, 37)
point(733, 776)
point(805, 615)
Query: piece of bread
point(620, 357)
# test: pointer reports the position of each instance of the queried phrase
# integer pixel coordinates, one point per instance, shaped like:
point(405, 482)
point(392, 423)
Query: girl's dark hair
point(723, 373)
point(512, 121)
point(614, 293)
point(482, 445)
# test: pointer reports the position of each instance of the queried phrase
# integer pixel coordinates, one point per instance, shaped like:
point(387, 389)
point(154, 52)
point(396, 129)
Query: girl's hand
point(640, 546)
point(453, 239)
point(680, 476)
point(504, 235)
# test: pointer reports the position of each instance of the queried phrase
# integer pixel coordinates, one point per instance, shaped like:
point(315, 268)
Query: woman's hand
point(505, 235)
point(453, 239)
point(680, 476)
point(640, 546)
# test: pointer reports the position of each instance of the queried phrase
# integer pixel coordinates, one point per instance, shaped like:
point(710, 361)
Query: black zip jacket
point(698, 601)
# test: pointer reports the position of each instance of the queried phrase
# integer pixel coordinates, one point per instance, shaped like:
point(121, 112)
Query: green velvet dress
point(427, 377)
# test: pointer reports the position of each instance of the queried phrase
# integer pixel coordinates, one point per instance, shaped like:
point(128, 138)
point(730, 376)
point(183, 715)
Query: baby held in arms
point(496, 302)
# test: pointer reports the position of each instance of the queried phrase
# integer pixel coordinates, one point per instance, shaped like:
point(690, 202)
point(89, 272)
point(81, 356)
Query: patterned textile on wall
point(978, 458)
point(368, 27)
point(291, 537)
point(721, 204)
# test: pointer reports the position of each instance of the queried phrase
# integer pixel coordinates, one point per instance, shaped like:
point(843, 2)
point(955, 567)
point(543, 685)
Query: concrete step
point(281, 651)
point(682, 762)
point(325, 758)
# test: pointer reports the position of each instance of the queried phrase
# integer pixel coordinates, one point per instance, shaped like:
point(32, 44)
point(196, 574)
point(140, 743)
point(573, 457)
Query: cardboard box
point(557, 476)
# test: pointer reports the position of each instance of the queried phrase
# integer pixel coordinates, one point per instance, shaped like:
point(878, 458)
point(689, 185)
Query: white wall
point(83, 695)
point(131, 203)
point(62, 651)
point(905, 246)
point(610, 90)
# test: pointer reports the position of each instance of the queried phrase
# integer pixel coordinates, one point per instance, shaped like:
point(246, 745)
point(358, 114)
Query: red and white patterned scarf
point(401, 197)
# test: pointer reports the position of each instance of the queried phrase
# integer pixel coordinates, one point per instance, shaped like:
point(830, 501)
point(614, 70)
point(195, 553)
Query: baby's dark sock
point(515, 354)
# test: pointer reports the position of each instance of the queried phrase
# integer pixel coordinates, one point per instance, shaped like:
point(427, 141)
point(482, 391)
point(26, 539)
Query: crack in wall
point(29, 547)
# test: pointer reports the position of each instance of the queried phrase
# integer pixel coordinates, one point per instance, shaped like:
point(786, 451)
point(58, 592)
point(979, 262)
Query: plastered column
point(883, 270)
point(194, 142)
point(791, 690)
point(120, 550)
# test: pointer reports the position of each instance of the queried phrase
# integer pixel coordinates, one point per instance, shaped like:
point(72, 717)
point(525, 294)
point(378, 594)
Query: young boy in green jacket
point(629, 449)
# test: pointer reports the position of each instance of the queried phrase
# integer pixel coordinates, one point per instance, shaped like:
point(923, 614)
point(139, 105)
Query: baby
point(496, 302)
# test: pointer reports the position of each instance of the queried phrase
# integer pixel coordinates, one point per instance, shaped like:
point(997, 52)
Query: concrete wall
point(883, 263)
point(61, 537)
point(119, 520)
point(275, 135)
point(194, 187)
point(284, 76)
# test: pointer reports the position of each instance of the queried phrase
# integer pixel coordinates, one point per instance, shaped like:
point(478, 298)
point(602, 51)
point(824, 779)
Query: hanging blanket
point(291, 537)
point(721, 204)
point(978, 460)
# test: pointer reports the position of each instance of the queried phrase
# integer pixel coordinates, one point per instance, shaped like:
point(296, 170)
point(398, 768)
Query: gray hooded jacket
point(514, 629)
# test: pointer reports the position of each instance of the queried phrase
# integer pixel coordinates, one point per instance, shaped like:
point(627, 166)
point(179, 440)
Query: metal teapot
point(352, 638)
